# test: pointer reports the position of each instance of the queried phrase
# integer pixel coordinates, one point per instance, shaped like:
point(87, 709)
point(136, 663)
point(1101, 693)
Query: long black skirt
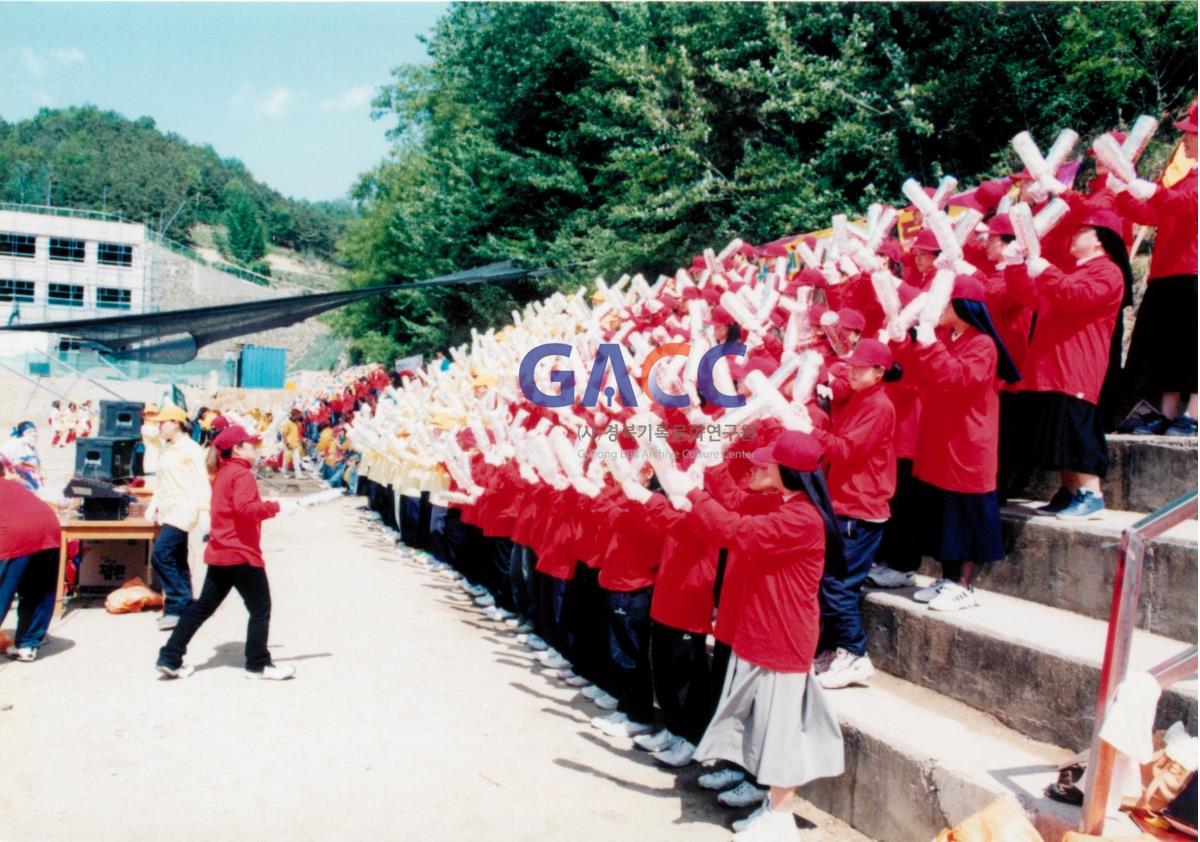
point(959, 527)
point(1162, 351)
point(1062, 433)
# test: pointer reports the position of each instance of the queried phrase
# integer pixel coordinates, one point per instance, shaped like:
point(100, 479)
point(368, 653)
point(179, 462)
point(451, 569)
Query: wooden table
point(134, 528)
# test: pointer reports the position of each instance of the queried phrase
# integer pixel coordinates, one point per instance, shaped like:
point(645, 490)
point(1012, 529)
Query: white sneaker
point(882, 576)
point(524, 627)
point(535, 643)
point(927, 594)
point(273, 673)
point(823, 660)
point(655, 742)
point(577, 681)
point(769, 826)
point(606, 701)
point(182, 671)
point(485, 601)
point(552, 660)
point(473, 590)
point(564, 674)
point(953, 597)
point(743, 795)
point(721, 779)
point(744, 824)
point(23, 653)
point(627, 728)
point(846, 669)
point(676, 756)
point(602, 721)
point(591, 692)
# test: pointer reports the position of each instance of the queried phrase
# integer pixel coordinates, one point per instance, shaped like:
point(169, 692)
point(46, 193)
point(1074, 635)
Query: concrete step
point(917, 762)
point(1071, 566)
point(1035, 668)
point(1145, 473)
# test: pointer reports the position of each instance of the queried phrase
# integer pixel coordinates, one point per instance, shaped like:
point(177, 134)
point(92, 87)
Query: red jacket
point(1173, 210)
point(780, 559)
point(960, 412)
point(1013, 318)
point(862, 461)
point(687, 569)
point(28, 525)
point(237, 515)
point(1076, 316)
point(631, 557)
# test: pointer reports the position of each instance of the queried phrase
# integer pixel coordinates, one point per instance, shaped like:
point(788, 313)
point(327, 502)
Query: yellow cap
point(170, 412)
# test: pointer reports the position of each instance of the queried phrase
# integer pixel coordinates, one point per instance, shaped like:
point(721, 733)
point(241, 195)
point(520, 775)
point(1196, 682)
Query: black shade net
point(174, 336)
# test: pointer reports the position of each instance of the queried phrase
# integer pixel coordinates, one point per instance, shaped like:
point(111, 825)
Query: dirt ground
point(411, 717)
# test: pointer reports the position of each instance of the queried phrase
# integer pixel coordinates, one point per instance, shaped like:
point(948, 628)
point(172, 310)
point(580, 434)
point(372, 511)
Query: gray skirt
point(778, 726)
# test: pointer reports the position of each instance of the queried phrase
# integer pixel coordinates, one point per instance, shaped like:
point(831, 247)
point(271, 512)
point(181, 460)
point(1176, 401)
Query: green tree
point(604, 138)
point(244, 232)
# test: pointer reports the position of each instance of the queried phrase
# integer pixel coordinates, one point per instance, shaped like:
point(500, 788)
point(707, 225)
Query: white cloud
point(68, 55)
point(276, 103)
point(32, 63)
point(37, 63)
point(351, 99)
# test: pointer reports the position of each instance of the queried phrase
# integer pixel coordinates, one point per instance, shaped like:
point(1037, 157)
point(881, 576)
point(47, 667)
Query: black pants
point(251, 584)
point(585, 615)
point(629, 652)
point(901, 545)
point(679, 666)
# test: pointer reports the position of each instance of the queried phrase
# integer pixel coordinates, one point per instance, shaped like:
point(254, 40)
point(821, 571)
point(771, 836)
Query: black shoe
point(1061, 499)
point(1184, 425)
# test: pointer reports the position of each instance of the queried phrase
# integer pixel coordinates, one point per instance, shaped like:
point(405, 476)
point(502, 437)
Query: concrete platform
point(1145, 473)
point(1071, 566)
point(1034, 667)
point(917, 762)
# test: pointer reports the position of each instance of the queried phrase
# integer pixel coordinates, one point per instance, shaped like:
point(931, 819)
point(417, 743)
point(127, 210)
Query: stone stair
point(975, 704)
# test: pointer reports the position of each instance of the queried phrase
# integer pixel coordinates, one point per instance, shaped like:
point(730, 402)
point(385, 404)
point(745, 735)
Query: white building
point(54, 268)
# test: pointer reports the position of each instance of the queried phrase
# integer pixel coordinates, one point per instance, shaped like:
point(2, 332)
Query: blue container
point(262, 368)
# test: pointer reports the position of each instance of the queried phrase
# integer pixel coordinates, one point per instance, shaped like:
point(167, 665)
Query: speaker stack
point(114, 455)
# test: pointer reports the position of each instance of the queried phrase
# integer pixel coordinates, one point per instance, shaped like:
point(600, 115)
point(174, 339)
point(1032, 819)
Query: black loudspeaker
point(105, 458)
point(121, 419)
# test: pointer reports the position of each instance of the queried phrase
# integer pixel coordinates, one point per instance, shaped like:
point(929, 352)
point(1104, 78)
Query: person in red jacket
point(29, 542)
point(1162, 352)
point(1067, 360)
point(955, 461)
point(772, 719)
point(234, 558)
point(862, 478)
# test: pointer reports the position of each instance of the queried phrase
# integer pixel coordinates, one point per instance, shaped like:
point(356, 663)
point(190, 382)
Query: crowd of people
point(816, 414)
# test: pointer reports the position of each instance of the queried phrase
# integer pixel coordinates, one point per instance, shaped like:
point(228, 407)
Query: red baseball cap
point(968, 288)
point(793, 449)
point(811, 278)
point(219, 423)
point(759, 362)
point(1188, 123)
point(851, 319)
point(870, 352)
point(984, 198)
point(1102, 219)
point(232, 436)
point(815, 313)
point(720, 316)
point(907, 293)
point(1001, 225)
point(926, 241)
point(1023, 175)
point(892, 250)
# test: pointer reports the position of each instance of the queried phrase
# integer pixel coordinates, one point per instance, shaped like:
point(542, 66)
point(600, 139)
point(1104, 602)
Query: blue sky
point(284, 87)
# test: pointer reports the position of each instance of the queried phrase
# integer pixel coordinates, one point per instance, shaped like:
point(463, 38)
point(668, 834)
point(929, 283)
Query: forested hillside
point(618, 137)
point(87, 158)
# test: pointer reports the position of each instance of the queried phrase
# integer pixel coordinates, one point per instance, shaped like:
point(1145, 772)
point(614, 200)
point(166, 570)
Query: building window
point(68, 344)
point(18, 245)
point(64, 249)
point(16, 290)
point(114, 254)
point(112, 299)
point(65, 295)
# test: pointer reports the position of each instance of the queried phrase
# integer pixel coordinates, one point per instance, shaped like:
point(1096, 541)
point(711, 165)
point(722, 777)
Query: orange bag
point(131, 597)
point(5, 642)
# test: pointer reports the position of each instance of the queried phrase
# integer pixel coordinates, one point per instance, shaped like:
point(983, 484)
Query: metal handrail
point(156, 237)
point(1121, 621)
